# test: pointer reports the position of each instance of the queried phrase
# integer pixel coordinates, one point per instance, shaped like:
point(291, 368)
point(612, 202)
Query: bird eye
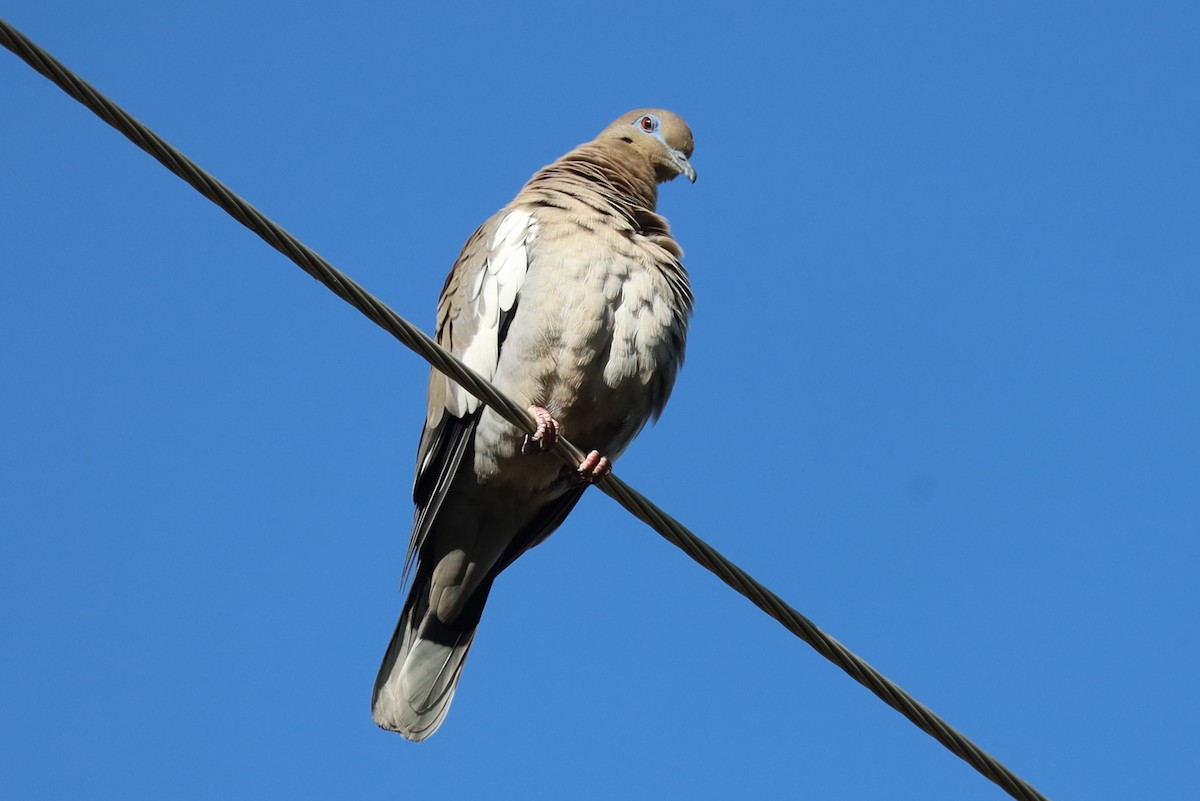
point(649, 124)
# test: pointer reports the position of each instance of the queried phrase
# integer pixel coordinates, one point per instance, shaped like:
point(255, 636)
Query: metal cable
point(415, 339)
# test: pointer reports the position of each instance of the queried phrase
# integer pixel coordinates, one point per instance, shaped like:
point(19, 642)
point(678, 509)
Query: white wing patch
point(492, 294)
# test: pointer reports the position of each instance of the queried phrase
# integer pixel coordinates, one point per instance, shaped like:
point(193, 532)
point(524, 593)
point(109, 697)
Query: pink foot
point(546, 436)
point(593, 467)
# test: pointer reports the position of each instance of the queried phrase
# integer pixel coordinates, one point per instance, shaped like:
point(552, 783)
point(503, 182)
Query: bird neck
point(628, 184)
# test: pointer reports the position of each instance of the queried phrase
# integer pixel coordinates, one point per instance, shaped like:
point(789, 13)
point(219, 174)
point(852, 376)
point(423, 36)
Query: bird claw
point(546, 436)
point(593, 468)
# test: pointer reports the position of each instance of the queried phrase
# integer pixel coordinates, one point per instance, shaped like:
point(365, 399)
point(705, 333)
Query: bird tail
point(421, 668)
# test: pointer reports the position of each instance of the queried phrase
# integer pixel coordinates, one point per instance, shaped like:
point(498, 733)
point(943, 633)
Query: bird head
point(660, 136)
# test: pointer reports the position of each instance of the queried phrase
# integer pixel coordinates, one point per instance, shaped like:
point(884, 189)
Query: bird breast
point(595, 339)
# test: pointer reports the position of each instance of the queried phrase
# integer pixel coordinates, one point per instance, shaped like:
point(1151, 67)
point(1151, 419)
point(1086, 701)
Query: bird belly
point(594, 349)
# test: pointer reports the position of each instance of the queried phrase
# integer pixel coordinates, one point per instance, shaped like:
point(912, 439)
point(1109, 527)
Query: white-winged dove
point(573, 300)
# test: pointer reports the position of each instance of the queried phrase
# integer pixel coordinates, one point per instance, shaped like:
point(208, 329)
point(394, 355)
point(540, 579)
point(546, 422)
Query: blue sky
point(941, 394)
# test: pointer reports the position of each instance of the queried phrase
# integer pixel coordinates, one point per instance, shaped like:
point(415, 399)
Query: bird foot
point(546, 436)
point(593, 468)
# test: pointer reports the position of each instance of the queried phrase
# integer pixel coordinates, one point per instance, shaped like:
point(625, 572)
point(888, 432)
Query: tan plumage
point(571, 298)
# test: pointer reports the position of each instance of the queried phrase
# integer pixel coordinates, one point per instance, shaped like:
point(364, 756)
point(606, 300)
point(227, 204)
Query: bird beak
point(685, 166)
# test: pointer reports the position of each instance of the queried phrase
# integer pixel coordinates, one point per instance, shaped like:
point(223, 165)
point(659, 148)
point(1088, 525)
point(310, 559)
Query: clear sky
point(942, 394)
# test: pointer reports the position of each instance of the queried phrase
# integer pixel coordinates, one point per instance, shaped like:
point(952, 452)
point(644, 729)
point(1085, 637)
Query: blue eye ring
point(648, 123)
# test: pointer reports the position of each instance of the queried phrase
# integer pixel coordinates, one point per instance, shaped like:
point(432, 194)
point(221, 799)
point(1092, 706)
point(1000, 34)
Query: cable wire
point(415, 339)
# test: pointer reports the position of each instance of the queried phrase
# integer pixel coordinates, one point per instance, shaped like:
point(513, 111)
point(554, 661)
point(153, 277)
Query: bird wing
point(476, 307)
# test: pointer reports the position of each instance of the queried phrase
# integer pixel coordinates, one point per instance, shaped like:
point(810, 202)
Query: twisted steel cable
point(415, 339)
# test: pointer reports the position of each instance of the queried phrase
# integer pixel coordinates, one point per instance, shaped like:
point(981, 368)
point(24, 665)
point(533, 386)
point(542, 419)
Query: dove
point(574, 301)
